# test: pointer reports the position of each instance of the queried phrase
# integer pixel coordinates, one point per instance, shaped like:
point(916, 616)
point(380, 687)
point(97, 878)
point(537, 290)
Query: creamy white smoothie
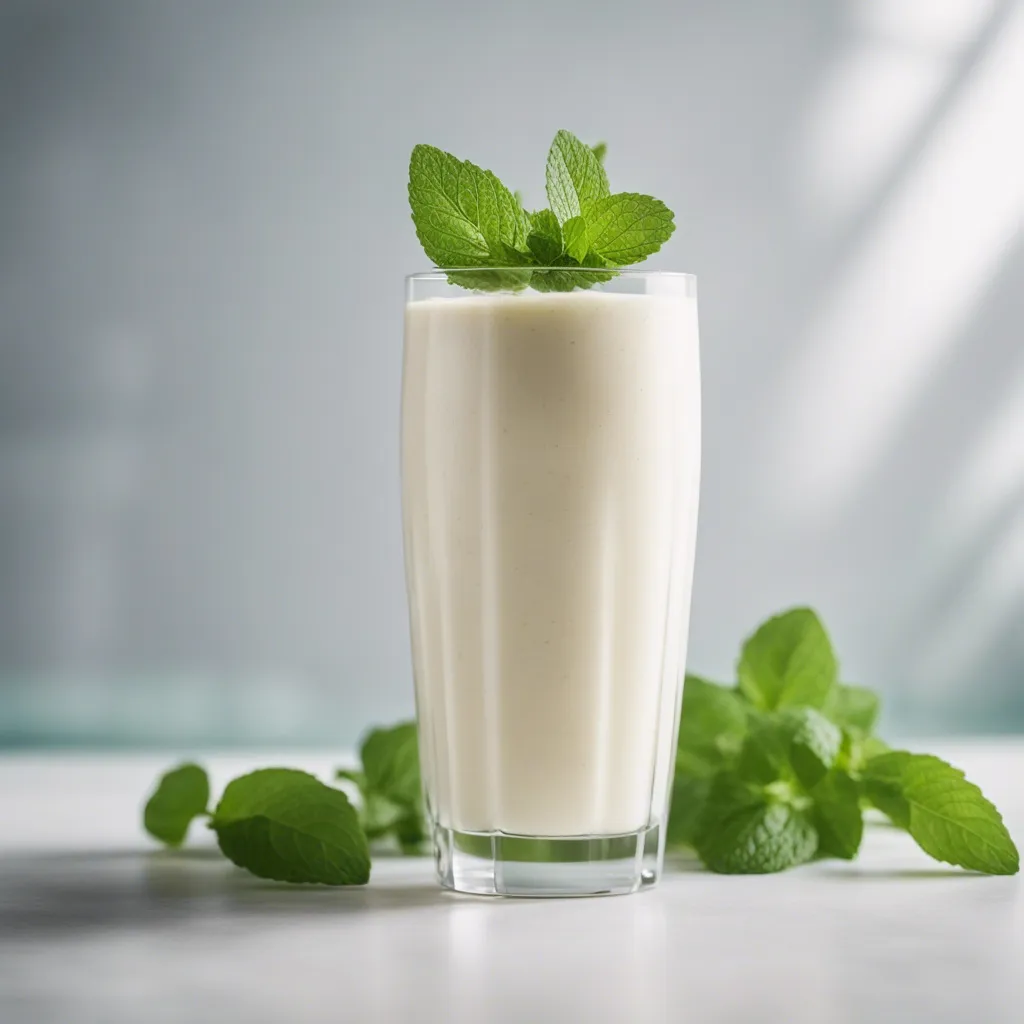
point(551, 462)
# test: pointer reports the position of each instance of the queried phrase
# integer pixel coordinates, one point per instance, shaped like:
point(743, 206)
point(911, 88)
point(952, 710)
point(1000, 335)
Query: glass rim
point(436, 273)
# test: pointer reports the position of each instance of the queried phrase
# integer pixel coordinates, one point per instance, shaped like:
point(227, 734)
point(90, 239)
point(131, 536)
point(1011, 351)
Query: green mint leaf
point(390, 792)
point(872, 746)
point(565, 280)
point(391, 763)
point(576, 238)
point(545, 249)
point(857, 749)
point(746, 831)
point(948, 816)
point(814, 744)
point(557, 281)
point(463, 214)
point(575, 177)
point(379, 815)
point(600, 149)
point(411, 833)
point(882, 782)
point(764, 757)
point(544, 222)
point(504, 279)
point(788, 660)
point(795, 744)
point(712, 726)
point(490, 280)
point(853, 707)
point(628, 227)
point(689, 797)
point(352, 776)
point(836, 815)
point(286, 825)
point(181, 795)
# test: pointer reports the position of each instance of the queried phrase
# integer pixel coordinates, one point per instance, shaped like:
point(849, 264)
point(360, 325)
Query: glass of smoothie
point(550, 480)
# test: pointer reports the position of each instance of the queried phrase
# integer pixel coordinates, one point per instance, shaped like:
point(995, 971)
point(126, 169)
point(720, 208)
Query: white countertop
point(96, 925)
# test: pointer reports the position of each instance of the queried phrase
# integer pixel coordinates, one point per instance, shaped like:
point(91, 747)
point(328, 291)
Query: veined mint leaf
point(287, 825)
point(689, 796)
point(575, 177)
point(181, 795)
point(712, 725)
point(545, 245)
point(948, 816)
point(788, 660)
point(576, 238)
point(628, 227)
point(813, 744)
point(463, 214)
point(853, 707)
point(745, 831)
point(544, 222)
point(837, 816)
point(600, 149)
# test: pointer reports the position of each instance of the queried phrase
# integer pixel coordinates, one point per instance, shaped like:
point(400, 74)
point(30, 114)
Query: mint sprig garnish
point(775, 770)
point(470, 224)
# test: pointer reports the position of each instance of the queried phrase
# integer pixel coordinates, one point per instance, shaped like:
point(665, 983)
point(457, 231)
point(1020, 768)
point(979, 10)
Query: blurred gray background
point(203, 233)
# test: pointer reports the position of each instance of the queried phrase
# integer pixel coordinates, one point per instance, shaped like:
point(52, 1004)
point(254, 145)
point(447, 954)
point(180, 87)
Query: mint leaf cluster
point(287, 825)
point(466, 218)
point(778, 768)
point(391, 804)
point(771, 772)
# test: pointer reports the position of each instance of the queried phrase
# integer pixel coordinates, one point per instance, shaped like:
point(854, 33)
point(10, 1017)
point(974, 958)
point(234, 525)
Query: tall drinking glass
point(550, 479)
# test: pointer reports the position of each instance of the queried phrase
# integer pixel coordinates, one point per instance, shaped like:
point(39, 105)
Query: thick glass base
point(497, 864)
